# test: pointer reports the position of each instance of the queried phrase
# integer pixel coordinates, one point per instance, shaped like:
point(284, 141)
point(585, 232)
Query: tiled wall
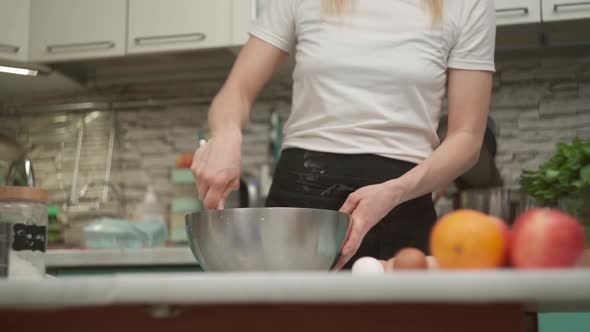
point(536, 103)
point(145, 144)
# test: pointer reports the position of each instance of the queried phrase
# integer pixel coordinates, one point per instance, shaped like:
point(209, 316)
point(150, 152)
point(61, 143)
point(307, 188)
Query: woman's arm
point(469, 94)
point(254, 66)
point(216, 165)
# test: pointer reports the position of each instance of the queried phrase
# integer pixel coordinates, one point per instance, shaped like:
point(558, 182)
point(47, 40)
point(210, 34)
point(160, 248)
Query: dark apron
point(318, 180)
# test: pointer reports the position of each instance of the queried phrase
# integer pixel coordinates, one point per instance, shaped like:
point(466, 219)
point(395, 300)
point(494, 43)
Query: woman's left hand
point(367, 206)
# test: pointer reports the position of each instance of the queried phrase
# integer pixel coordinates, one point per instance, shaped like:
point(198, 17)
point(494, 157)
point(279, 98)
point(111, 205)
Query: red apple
point(506, 235)
point(546, 238)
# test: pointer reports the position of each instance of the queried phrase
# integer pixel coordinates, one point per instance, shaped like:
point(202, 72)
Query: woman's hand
point(367, 206)
point(216, 168)
point(216, 165)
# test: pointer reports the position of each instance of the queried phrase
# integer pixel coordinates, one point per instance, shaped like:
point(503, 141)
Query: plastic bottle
point(150, 208)
point(150, 219)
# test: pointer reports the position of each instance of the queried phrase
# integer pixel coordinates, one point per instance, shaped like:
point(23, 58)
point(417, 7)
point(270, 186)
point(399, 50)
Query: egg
point(367, 265)
point(409, 259)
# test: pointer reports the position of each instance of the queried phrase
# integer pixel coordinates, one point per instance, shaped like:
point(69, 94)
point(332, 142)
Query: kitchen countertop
point(543, 291)
point(140, 257)
point(65, 258)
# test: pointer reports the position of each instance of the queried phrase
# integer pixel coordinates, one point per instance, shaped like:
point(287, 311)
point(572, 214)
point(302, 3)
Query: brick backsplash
point(535, 104)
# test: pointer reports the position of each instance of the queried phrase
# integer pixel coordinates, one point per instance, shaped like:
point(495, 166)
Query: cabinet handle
point(80, 47)
point(523, 11)
point(170, 39)
point(5, 48)
point(559, 6)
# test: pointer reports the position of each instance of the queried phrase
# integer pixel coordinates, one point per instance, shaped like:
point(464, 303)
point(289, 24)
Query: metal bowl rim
point(267, 209)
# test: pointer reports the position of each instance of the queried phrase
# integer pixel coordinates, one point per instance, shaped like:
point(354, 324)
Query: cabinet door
point(510, 12)
point(77, 29)
point(555, 10)
point(14, 29)
point(172, 25)
point(243, 12)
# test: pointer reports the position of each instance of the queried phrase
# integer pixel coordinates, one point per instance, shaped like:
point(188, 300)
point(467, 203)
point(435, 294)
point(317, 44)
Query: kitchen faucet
point(25, 164)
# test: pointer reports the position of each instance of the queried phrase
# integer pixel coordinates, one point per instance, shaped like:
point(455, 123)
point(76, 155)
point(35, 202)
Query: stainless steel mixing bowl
point(267, 239)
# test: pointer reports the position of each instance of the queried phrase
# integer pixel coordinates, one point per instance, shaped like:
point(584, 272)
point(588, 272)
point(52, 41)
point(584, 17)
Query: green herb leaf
point(551, 173)
point(585, 175)
point(566, 173)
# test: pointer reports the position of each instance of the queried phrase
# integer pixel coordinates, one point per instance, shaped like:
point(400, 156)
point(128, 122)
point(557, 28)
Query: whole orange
point(467, 239)
point(507, 235)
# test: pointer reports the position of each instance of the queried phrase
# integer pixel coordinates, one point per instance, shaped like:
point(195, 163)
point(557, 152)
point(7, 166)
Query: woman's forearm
point(469, 96)
point(456, 155)
point(229, 112)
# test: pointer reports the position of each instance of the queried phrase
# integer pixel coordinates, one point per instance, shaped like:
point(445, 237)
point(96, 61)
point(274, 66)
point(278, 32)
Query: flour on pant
point(313, 171)
point(337, 190)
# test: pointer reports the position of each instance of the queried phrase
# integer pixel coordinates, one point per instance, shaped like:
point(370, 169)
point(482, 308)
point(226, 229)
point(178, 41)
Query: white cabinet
point(173, 25)
point(556, 10)
point(243, 12)
point(14, 29)
point(77, 29)
point(510, 12)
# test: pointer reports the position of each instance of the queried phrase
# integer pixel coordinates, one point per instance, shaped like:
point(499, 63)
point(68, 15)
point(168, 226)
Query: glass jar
point(23, 232)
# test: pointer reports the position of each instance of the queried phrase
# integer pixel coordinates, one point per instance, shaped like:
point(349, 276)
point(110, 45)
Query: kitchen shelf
point(66, 258)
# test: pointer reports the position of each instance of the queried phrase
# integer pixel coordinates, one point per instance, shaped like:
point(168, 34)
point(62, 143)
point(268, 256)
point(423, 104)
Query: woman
point(369, 83)
point(484, 174)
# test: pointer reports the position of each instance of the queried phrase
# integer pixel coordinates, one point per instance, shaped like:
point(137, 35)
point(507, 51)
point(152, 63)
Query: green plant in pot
point(563, 181)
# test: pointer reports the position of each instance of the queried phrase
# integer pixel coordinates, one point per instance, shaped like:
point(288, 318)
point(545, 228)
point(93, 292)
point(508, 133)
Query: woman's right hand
point(216, 168)
point(216, 164)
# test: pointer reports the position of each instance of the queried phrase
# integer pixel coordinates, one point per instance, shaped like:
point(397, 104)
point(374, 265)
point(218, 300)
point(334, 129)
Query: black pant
point(318, 180)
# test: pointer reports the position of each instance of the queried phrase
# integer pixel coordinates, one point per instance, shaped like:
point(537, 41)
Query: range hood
point(47, 79)
point(72, 76)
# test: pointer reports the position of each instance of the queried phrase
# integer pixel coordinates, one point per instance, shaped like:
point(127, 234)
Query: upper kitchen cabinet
point(175, 25)
point(14, 29)
point(556, 10)
point(243, 12)
point(509, 12)
point(77, 29)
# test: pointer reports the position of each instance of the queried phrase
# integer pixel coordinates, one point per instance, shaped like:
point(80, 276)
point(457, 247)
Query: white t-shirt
point(373, 80)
